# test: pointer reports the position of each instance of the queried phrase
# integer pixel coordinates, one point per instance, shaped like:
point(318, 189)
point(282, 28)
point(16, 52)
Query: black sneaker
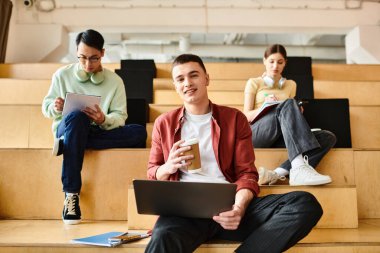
point(71, 210)
point(58, 147)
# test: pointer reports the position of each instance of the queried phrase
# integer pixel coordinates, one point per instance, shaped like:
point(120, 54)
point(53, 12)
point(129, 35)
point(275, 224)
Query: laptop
point(184, 199)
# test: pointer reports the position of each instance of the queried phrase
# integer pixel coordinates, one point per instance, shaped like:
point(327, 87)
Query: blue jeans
point(271, 224)
point(285, 126)
point(79, 134)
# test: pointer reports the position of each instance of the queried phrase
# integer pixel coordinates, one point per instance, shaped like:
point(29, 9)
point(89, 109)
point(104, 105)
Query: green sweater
point(113, 98)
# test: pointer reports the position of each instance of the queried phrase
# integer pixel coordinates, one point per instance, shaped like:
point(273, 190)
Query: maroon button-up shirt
point(231, 141)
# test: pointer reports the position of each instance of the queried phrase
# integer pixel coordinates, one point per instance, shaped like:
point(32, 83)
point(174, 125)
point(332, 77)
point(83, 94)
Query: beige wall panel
point(339, 205)
point(23, 91)
point(358, 92)
point(14, 127)
point(365, 126)
point(41, 135)
point(367, 170)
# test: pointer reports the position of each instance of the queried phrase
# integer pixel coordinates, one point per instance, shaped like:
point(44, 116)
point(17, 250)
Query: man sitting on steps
point(272, 223)
point(97, 128)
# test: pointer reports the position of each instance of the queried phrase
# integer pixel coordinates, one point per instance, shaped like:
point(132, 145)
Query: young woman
point(284, 125)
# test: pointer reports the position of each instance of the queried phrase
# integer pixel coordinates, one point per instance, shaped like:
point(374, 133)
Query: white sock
point(297, 161)
point(281, 172)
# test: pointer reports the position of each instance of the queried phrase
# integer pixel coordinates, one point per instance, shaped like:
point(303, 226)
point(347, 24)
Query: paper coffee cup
point(195, 165)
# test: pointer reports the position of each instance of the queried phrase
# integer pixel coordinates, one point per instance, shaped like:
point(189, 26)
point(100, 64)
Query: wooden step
point(24, 126)
point(358, 92)
point(23, 91)
point(367, 180)
point(170, 97)
point(106, 176)
point(107, 173)
point(215, 85)
point(339, 206)
point(332, 72)
point(364, 122)
point(156, 110)
point(46, 236)
point(38, 70)
point(365, 125)
point(32, 92)
point(217, 70)
point(42, 171)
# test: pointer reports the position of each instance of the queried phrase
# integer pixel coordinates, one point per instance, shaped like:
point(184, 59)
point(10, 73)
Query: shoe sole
point(71, 222)
point(55, 150)
point(321, 182)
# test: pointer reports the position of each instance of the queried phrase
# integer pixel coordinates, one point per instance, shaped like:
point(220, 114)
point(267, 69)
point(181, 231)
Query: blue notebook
point(100, 240)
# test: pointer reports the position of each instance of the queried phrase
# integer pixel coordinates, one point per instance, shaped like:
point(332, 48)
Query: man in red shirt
point(271, 223)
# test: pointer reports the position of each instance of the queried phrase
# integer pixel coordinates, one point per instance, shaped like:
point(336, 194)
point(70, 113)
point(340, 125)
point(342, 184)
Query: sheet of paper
point(74, 101)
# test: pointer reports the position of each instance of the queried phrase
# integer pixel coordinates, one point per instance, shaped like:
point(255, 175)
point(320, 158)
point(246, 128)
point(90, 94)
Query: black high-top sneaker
point(71, 214)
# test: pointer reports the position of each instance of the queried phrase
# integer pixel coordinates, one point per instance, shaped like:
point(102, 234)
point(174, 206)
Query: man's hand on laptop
point(176, 160)
point(230, 220)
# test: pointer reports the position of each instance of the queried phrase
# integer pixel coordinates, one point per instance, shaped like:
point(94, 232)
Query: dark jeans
point(79, 134)
point(272, 223)
point(285, 126)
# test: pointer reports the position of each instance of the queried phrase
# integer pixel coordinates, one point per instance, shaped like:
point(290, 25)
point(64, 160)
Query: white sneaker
point(268, 176)
point(307, 175)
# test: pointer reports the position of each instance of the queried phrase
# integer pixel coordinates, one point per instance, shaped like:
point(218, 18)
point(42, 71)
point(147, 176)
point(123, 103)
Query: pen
point(127, 238)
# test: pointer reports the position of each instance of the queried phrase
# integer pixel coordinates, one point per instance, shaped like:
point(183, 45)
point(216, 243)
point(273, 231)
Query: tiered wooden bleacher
point(30, 188)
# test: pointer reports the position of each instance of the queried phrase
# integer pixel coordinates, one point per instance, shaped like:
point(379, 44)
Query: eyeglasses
point(91, 59)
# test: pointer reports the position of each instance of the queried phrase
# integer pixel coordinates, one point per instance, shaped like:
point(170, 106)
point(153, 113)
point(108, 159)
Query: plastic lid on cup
point(190, 142)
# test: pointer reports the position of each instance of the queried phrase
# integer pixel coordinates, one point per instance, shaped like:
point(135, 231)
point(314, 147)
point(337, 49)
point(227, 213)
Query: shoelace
point(70, 205)
point(273, 177)
point(309, 169)
point(306, 159)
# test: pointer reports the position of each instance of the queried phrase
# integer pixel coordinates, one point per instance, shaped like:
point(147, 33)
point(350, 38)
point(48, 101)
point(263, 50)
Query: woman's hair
point(185, 58)
point(91, 38)
point(276, 48)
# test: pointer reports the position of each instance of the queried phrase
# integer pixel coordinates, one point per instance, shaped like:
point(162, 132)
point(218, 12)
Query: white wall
point(37, 36)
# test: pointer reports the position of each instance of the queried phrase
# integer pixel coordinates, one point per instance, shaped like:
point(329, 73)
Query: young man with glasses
point(99, 127)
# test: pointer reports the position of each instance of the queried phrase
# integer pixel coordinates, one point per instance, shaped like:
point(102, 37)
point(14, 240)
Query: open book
point(111, 239)
point(74, 101)
point(264, 109)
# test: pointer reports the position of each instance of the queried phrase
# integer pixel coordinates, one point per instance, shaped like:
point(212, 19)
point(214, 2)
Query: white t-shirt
point(199, 126)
